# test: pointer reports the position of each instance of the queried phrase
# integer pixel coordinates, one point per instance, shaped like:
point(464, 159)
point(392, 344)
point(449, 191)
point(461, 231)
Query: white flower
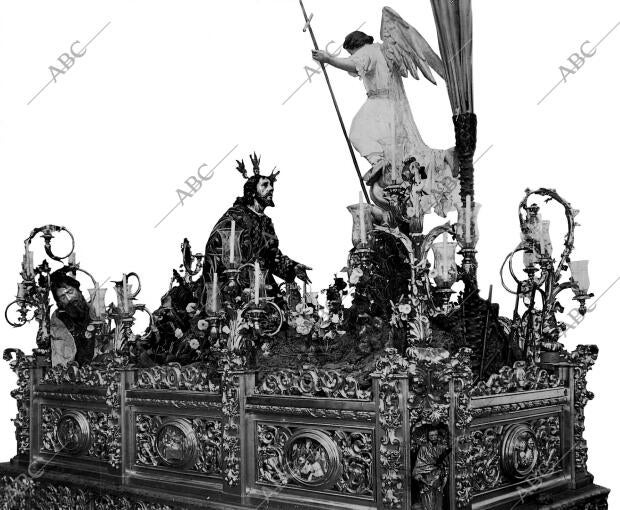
point(303, 329)
point(191, 308)
point(194, 344)
point(404, 308)
point(335, 319)
point(203, 325)
point(299, 321)
point(178, 333)
point(299, 307)
point(226, 330)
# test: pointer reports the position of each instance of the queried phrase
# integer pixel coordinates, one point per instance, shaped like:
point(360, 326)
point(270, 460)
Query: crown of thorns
point(255, 168)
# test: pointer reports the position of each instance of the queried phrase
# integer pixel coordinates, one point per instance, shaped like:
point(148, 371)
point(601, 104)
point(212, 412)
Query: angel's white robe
point(373, 123)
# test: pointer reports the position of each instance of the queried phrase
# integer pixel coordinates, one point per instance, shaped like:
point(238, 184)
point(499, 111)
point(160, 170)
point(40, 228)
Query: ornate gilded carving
point(96, 376)
point(312, 459)
point(89, 433)
point(584, 357)
point(21, 366)
point(391, 452)
point(501, 454)
point(332, 460)
point(186, 443)
point(519, 451)
point(342, 414)
point(176, 377)
point(312, 382)
point(517, 406)
point(72, 432)
point(231, 444)
point(521, 377)
point(429, 386)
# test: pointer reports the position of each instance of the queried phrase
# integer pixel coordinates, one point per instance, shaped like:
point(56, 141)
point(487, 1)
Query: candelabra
point(537, 328)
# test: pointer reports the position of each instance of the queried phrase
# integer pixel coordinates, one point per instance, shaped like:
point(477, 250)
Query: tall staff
point(308, 27)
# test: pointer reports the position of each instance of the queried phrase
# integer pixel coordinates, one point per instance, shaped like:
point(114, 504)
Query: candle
point(21, 291)
point(394, 144)
point(214, 294)
point(125, 294)
point(231, 246)
point(304, 294)
point(256, 281)
point(468, 218)
point(361, 218)
point(28, 264)
point(444, 247)
point(97, 301)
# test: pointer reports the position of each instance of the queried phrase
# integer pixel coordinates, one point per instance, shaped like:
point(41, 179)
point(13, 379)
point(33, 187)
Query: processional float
point(243, 392)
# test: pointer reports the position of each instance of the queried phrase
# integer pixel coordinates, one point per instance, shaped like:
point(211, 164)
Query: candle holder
point(580, 281)
point(231, 289)
point(361, 232)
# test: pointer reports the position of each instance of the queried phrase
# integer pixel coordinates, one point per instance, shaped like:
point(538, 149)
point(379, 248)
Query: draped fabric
point(453, 20)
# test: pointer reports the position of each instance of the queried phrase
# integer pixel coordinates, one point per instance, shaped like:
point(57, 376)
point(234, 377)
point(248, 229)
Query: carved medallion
point(312, 459)
point(176, 443)
point(73, 432)
point(519, 451)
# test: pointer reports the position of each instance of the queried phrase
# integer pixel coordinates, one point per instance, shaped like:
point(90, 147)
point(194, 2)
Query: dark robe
point(258, 242)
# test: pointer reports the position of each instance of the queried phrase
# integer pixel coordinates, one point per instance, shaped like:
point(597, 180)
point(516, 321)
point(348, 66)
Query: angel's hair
point(356, 40)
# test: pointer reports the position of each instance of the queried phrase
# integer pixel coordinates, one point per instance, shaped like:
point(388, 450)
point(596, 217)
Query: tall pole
point(308, 26)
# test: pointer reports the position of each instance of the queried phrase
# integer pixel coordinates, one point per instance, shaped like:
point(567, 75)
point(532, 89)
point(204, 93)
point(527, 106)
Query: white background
point(168, 86)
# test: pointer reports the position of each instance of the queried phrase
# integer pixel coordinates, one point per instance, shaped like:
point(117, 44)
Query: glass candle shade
point(394, 154)
point(212, 296)
point(468, 236)
point(546, 248)
point(231, 246)
point(123, 297)
point(579, 272)
point(529, 258)
point(362, 224)
point(445, 265)
point(257, 282)
point(97, 302)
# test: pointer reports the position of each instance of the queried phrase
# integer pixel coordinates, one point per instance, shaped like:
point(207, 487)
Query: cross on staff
point(308, 28)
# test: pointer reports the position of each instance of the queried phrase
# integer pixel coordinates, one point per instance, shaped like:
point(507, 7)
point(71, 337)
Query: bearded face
point(264, 192)
point(71, 301)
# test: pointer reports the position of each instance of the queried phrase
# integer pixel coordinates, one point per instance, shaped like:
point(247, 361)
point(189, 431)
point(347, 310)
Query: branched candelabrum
point(537, 328)
point(33, 292)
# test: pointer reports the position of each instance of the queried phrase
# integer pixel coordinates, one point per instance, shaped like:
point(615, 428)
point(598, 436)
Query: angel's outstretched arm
point(346, 64)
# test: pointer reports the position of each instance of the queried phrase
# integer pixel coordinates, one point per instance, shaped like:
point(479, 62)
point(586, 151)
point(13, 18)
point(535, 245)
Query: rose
point(178, 333)
point(191, 308)
point(404, 308)
point(203, 325)
point(335, 319)
point(194, 344)
point(299, 321)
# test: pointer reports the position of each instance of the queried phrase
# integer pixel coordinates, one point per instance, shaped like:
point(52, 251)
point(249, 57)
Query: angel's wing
point(406, 50)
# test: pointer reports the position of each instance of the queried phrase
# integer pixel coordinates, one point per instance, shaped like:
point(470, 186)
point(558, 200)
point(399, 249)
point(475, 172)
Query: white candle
point(256, 281)
point(97, 301)
point(214, 293)
point(304, 294)
point(394, 144)
point(21, 292)
point(468, 218)
point(444, 249)
point(361, 218)
point(125, 294)
point(231, 246)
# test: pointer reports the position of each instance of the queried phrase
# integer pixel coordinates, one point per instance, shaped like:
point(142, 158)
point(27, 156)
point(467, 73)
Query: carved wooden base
point(19, 491)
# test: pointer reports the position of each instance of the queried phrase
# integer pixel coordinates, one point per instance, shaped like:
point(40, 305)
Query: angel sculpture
point(386, 117)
